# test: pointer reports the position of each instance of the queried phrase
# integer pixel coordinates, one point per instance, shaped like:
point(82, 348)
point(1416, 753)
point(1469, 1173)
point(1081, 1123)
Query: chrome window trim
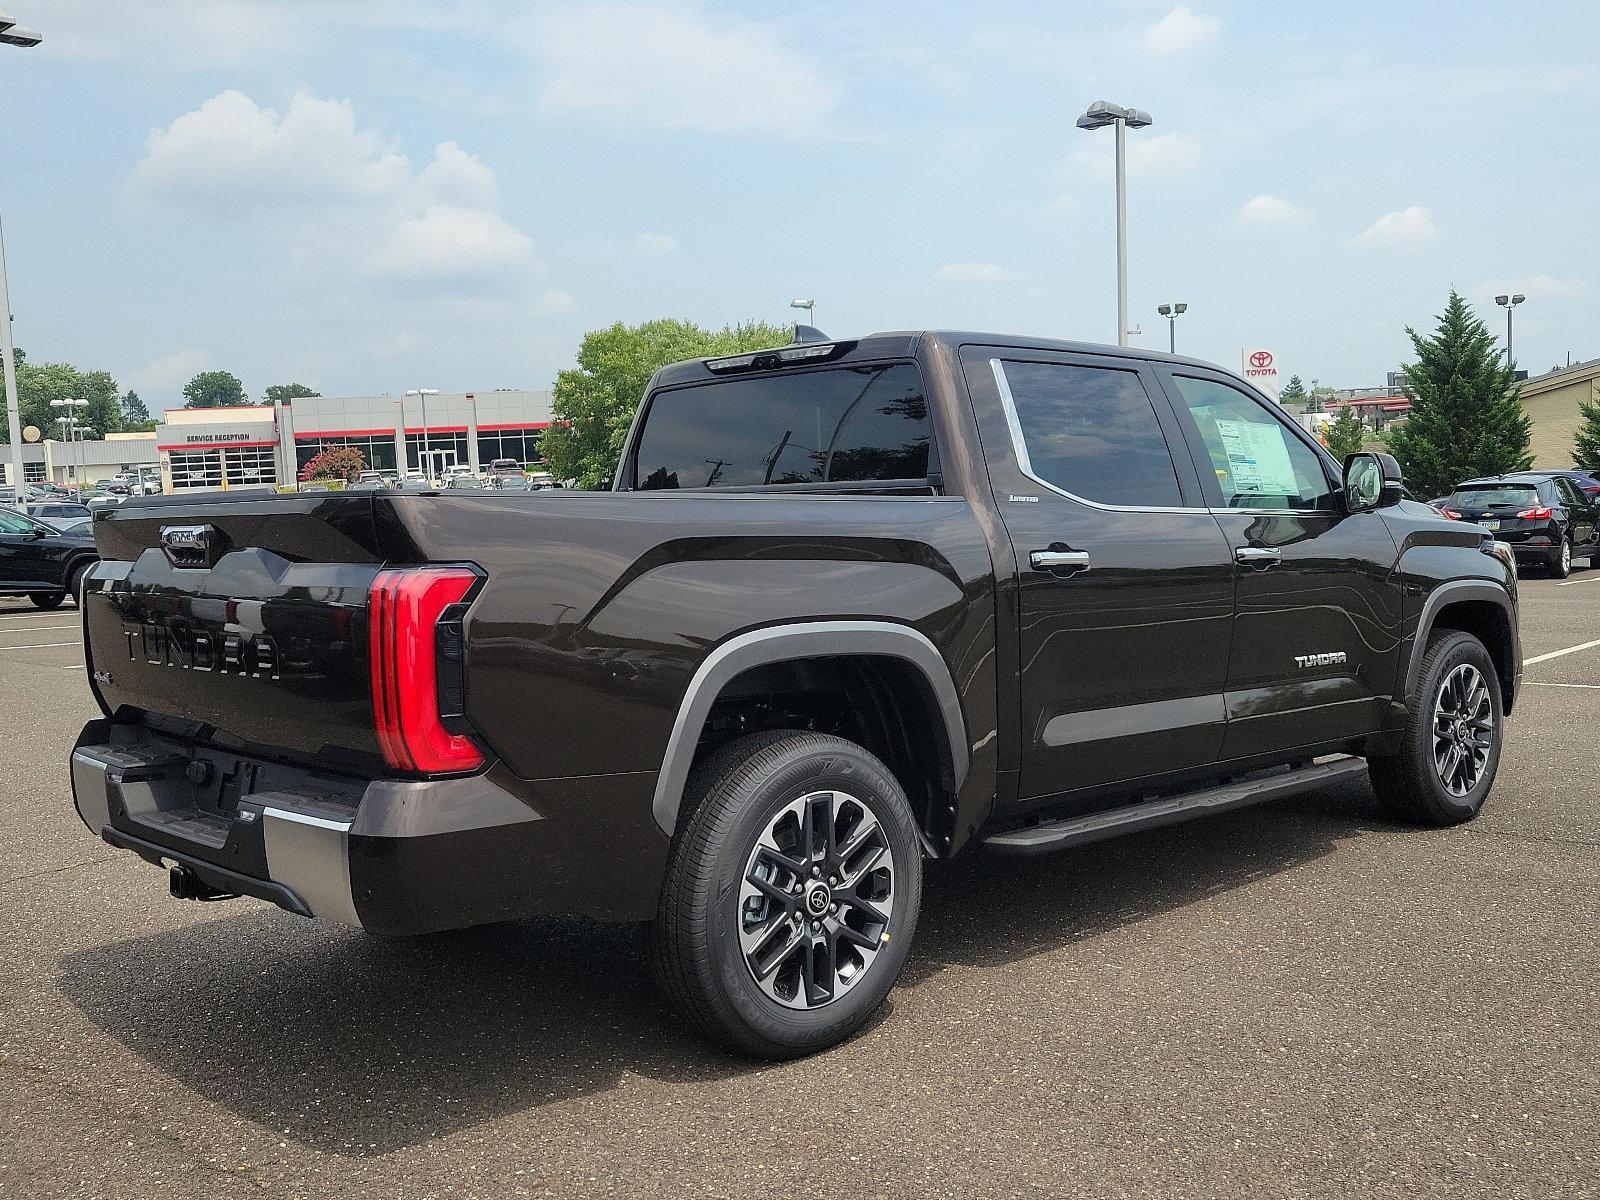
point(1019, 446)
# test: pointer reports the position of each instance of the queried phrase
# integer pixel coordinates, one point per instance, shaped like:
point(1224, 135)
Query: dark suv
point(1543, 516)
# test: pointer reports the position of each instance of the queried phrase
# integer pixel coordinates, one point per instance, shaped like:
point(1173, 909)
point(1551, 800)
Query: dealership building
point(257, 446)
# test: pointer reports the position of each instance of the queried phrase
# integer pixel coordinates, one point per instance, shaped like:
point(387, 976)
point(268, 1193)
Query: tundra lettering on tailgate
point(255, 655)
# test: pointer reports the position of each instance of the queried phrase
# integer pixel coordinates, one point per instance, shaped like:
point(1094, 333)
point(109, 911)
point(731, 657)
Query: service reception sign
point(1260, 367)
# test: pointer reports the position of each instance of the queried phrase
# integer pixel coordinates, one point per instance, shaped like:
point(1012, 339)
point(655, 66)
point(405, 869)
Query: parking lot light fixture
point(12, 34)
point(1508, 303)
point(1172, 312)
point(423, 394)
point(811, 310)
point(1100, 114)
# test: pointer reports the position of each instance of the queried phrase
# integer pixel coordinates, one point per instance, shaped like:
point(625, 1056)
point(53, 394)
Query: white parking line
point(1591, 577)
point(40, 646)
point(1541, 683)
point(72, 666)
point(1539, 658)
point(31, 628)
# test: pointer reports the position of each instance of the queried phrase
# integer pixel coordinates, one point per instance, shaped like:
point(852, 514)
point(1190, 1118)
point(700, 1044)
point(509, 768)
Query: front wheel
point(1451, 747)
point(791, 895)
point(47, 600)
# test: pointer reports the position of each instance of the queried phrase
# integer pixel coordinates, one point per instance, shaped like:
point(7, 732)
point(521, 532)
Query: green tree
point(213, 389)
point(280, 392)
point(1347, 435)
point(594, 401)
point(1294, 392)
point(1466, 407)
point(39, 384)
point(1586, 442)
point(134, 411)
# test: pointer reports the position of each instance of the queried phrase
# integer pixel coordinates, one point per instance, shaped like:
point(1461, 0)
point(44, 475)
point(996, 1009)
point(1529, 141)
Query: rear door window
point(839, 425)
point(1091, 432)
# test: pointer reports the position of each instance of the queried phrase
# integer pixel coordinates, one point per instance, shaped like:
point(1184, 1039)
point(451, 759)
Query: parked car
point(849, 606)
point(464, 483)
point(41, 562)
point(73, 525)
point(52, 511)
point(1586, 481)
point(1543, 516)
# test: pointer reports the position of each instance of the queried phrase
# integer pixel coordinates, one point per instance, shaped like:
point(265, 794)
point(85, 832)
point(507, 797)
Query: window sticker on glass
point(1258, 459)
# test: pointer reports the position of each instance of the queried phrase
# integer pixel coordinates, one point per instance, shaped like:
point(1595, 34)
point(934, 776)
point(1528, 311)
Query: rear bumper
point(391, 856)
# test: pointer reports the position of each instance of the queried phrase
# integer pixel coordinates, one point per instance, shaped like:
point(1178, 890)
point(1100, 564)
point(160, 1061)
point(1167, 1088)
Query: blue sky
point(369, 197)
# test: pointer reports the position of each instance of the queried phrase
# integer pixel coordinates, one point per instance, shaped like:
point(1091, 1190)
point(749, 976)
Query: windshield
point(1515, 494)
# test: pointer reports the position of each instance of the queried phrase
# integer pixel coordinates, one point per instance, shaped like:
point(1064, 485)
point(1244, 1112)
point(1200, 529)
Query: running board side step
point(1076, 831)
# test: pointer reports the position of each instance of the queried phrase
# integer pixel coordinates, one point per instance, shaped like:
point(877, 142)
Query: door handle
point(1059, 562)
point(1258, 556)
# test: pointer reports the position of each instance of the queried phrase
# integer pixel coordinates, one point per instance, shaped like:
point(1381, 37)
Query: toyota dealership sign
point(1260, 367)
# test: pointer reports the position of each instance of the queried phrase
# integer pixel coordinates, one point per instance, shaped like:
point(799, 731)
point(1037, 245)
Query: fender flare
point(1451, 592)
point(782, 643)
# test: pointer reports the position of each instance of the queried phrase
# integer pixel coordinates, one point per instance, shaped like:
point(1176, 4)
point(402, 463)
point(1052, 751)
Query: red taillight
point(1537, 514)
point(1451, 513)
point(406, 606)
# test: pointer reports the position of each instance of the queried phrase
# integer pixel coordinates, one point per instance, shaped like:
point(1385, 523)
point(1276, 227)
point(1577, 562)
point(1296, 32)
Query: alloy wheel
point(816, 897)
point(1463, 729)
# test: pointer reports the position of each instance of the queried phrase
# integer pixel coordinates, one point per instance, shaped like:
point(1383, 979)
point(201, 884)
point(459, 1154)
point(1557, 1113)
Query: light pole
point(69, 423)
point(423, 394)
point(1172, 312)
point(811, 310)
point(1102, 113)
point(1508, 303)
point(12, 34)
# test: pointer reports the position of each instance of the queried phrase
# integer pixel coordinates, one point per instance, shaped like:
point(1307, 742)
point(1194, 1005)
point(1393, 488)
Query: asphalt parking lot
point(1299, 1000)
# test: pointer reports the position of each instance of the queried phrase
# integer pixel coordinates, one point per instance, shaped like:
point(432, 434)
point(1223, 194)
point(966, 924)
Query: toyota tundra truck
point(848, 607)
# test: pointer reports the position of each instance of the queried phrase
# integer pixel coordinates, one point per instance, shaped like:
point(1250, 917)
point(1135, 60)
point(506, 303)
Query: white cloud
point(448, 242)
point(976, 273)
point(677, 67)
point(345, 199)
point(1180, 30)
point(656, 245)
point(1535, 287)
point(1402, 227)
point(1150, 156)
point(165, 376)
point(1271, 210)
point(552, 301)
point(230, 157)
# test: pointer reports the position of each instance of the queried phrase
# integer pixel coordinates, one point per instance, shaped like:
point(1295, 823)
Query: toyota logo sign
point(1261, 359)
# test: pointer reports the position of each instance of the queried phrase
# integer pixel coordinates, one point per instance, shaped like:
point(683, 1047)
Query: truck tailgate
point(252, 632)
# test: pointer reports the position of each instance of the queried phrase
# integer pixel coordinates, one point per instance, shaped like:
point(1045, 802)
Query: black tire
point(1411, 783)
point(75, 583)
point(1560, 562)
point(47, 600)
point(742, 793)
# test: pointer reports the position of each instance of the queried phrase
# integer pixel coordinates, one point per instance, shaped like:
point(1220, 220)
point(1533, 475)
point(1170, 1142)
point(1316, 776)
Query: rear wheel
point(1451, 746)
point(791, 895)
point(1561, 559)
point(47, 599)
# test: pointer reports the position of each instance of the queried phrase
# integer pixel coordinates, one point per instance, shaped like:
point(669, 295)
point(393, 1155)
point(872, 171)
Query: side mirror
point(1372, 480)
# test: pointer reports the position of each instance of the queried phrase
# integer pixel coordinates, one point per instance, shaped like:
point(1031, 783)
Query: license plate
point(1491, 525)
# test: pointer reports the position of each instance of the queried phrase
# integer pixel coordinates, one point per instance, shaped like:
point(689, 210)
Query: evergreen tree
point(1294, 392)
point(134, 411)
point(1586, 442)
point(1466, 407)
point(1347, 435)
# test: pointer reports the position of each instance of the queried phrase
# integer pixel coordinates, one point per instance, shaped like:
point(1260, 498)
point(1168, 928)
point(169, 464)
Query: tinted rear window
point(841, 425)
point(1482, 497)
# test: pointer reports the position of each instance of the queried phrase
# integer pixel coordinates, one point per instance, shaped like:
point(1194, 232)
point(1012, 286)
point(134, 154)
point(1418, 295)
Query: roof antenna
point(808, 333)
